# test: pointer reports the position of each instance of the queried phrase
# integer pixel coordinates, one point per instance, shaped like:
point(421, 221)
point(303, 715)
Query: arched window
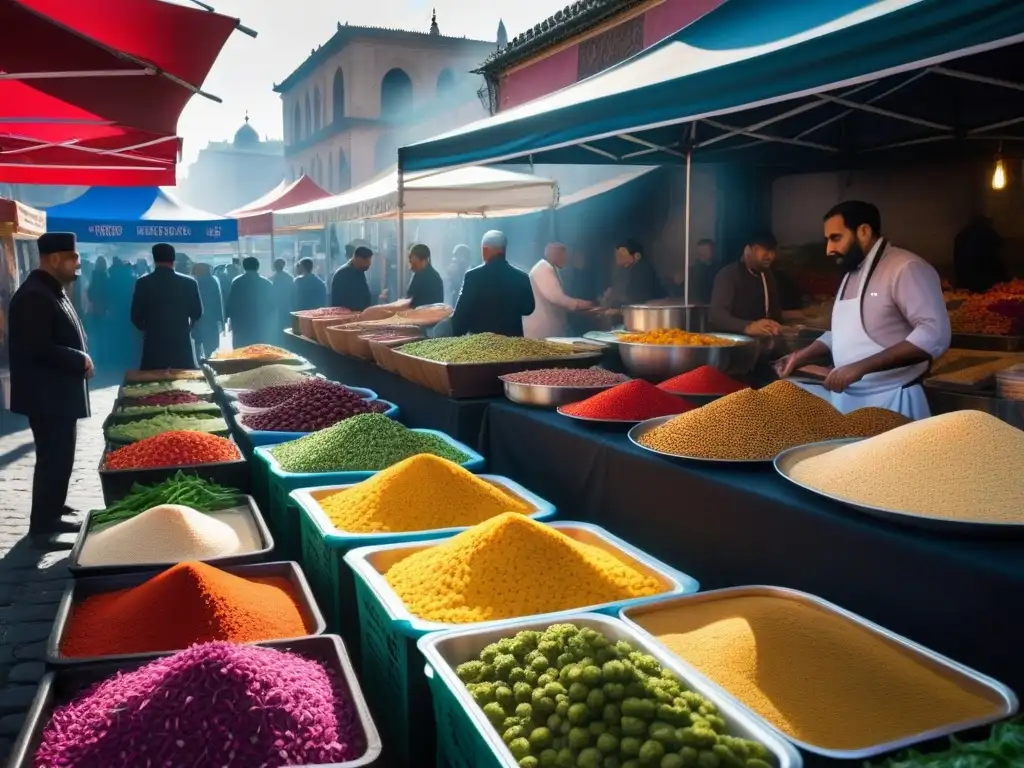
point(338, 96)
point(445, 82)
point(317, 113)
point(330, 172)
point(297, 125)
point(344, 172)
point(395, 93)
point(385, 154)
point(309, 117)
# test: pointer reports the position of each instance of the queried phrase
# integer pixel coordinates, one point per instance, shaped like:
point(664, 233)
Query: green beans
point(155, 410)
point(484, 348)
point(131, 431)
point(366, 443)
point(187, 490)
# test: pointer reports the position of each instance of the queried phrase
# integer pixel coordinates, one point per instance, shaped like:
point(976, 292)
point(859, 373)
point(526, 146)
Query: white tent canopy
point(475, 191)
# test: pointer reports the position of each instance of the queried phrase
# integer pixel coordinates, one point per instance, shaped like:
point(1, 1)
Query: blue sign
point(193, 232)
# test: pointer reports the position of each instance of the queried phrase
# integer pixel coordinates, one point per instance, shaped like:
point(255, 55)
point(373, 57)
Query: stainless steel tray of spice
point(548, 396)
point(78, 590)
point(444, 651)
point(264, 546)
point(1003, 700)
point(592, 420)
point(661, 361)
point(63, 685)
point(226, 365)
point(786, 460)
point(644, 427)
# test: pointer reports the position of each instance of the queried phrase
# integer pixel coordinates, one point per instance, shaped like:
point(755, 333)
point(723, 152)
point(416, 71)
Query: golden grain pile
point(965, 465)
point(757, 425)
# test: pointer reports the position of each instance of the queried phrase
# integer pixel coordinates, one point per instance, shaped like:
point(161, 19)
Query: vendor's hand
point(763, 327)
point(785, 366)
point(383, 296)
point(582, 305)
point(839, 379)
point(90, 370)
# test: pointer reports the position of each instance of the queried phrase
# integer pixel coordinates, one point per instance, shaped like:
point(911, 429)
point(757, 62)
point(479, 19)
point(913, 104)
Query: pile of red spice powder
point(211, 705)
point(702, 381)
point(635, 400)
point(189, 603)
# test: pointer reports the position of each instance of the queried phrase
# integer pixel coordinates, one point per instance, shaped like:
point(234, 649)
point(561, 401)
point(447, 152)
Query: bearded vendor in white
point(889, 321)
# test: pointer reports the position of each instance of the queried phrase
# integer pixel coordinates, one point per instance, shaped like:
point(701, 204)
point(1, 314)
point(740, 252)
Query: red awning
point(257, 218)
point(135, 62)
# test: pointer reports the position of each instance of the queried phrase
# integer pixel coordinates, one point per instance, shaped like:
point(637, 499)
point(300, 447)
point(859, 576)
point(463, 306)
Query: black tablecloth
point(730, 526)
point(421, 408)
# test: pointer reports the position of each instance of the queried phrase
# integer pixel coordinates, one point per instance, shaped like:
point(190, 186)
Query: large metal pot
point(662, 361)
point(665, 314)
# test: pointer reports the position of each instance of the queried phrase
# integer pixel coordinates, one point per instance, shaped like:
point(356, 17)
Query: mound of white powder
point(166, 534)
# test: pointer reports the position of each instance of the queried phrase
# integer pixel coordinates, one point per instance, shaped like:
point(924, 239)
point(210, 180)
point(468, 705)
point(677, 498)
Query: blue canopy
point(138, 215)
point(776, 62)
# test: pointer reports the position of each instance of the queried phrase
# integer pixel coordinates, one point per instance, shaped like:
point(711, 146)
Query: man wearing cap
point(745, 297)
point(49, 370)
point(495, 296)
point(165, 307)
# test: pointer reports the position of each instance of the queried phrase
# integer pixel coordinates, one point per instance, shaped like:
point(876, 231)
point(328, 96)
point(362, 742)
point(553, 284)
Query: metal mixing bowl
point(638, 318)
point(662, 361)
point(547, 396)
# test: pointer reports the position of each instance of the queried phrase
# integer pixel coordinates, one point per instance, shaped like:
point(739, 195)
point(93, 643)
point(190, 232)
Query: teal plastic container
point(282, 514)
point(264, 437)
point(324, 548)
point(391, 664)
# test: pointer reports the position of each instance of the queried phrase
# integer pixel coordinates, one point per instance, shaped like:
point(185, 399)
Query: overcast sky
point(288, 29)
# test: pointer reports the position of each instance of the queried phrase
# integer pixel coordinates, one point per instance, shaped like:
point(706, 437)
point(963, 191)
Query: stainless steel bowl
point(545, 396)
point(662, 361)
point(657, 314)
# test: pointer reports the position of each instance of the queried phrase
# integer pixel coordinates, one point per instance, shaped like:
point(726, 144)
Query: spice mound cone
point(964, 466)
point(705, 380)
point(868, 422)
point(421, 493)
point(635, 400)
point(166, 534)
point(511, 566)
point(211, 705)
point(189, 603)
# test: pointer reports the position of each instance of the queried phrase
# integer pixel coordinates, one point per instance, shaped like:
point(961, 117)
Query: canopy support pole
point(686, 230)
point(400, 239)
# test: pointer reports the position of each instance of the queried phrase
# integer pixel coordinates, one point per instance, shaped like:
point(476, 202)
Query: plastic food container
point(466, 739)
point(324, 548)
point(392, 668)
point(265, 437)
point(246, 504)
point(283, 516)
point(59, 687)
point(79, 589)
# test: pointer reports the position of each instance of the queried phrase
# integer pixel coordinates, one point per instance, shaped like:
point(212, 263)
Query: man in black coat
point(426, 286)
point(165, 306)
point(250, 308)
point(495, 295)
point(49, 370)
point(349, 288)
point(310, 291)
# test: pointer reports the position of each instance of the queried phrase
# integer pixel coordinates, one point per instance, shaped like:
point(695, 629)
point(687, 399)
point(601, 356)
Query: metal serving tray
point(371, 563)
point(78, 590)
point(592, 420)
point(446, 650)
point(786, 460)
point(661, 361)
point(549, 396)
point(644, 427)
point(1002, 697)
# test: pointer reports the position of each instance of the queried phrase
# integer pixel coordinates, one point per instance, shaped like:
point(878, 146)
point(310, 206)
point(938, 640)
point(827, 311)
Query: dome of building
point(246, 135)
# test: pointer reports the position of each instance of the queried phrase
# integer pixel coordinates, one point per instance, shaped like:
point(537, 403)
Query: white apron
point(898, 389)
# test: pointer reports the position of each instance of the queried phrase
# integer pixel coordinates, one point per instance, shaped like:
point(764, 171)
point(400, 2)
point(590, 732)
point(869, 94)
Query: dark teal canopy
point(780, 80)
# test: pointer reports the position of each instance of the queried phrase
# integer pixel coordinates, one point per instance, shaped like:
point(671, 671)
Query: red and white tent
point(257, 218)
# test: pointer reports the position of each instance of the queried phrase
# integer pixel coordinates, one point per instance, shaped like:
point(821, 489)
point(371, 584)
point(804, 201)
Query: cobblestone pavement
point(31, 581)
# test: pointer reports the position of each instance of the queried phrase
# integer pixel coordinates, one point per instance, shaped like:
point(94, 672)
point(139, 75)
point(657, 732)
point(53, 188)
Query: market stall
point(139, 215)
point(19, 224)
point(256, 219)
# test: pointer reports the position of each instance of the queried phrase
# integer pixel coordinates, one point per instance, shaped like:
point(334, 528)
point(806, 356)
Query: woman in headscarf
point(207, 330)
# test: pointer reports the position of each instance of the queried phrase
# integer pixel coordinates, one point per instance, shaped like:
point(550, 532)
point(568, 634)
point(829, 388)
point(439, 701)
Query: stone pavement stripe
point(31, 582)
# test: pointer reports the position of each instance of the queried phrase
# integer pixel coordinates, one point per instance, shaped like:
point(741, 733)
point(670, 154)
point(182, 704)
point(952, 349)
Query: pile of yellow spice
point(512, 566)
point(676, 338)
point(422, 493)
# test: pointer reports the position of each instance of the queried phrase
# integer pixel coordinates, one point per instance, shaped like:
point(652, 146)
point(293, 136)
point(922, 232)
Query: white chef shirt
point(549, 317)
point(904, 302)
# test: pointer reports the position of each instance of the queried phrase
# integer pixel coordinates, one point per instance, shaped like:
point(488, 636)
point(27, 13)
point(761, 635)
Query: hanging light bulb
point(999, 175)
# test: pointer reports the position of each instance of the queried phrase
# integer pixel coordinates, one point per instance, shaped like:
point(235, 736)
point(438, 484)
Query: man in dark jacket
point(284, 294)
point(207, 331)
point(634, 280)
point(250, 306)
point(495, 295)
point(349, 288)
point(426, 286)
point(49, 370)
point(165, 306)
point(310, 291)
